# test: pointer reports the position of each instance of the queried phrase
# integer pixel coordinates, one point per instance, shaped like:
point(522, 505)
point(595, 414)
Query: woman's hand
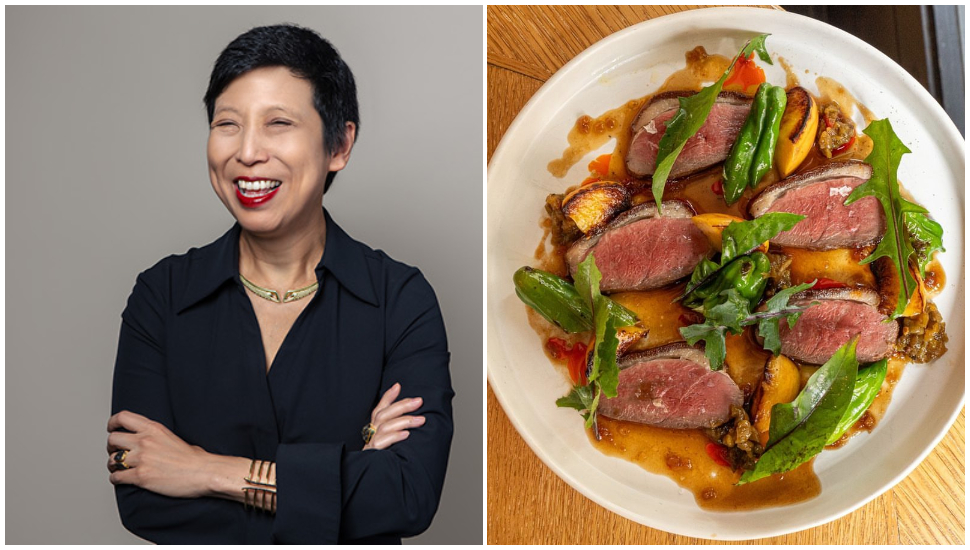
point(389, 421)
point(158, 460)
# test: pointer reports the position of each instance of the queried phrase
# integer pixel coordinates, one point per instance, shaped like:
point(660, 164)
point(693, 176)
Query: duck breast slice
point(819, 195)
point(839, 315)
point(640, 249)
point(709, 146)
point(672, 387)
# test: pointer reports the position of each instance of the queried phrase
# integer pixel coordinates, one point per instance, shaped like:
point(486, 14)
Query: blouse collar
point(216, 263)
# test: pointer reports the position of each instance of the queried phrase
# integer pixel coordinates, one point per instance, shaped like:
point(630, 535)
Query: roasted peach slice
point(781, 384)
point(592, 206)
point(799, 125)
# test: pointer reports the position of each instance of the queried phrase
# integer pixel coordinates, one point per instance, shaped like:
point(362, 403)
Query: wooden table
point(527, 503)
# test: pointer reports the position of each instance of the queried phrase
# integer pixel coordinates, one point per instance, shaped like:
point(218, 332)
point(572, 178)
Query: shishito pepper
point(554, 298)
point(557, 300)
point(737, 167)
point(754, 277)
point(754, 148)
point(764, 154)
point(746, 274)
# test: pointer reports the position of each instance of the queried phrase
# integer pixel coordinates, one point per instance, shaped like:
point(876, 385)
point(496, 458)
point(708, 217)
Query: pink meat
point(645, 254)
point(709, 146)
point(673, 393)
point(829, 223)
point(825, 327)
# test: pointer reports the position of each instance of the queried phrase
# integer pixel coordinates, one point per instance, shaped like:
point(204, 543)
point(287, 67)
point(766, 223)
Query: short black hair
point(308, 56)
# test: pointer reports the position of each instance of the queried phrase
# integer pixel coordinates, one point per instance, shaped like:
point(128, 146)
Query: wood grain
point(527, 502)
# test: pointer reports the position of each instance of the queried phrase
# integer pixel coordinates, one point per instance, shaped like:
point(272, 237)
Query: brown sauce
point(589, 134)
point(791, 80)
point(680, 454)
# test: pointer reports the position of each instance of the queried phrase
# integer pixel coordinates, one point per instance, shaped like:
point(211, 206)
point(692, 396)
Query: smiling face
point(267, 161)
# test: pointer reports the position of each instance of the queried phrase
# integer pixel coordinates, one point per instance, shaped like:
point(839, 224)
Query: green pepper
point(746, 274)
point(701, 272)
point(558, 301)
point(737, 167)
point(753, 277)
point(771, 127)
point(727, 278)
point(553, 298)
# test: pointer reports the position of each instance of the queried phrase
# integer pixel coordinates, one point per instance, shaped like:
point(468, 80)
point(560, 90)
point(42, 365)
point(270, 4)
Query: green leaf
point(714, 343)
point(757, 44)
point(591, 416)
point(928, 236)
point(731, 312)
point(867, 386)
point(689, 119)
point(768, 325)
point(799, 430)
point(587, 281)
point(607, 317)
point(904, 228)
point(605, 370)
point(741, 238)
point(581, 398)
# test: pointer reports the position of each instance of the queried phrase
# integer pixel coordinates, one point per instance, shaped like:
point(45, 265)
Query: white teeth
point(257, 185)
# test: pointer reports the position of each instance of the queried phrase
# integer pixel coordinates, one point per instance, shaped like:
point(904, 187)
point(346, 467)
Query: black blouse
point(190, 356)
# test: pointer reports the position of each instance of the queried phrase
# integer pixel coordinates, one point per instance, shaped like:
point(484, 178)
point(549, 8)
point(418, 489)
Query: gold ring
point(368, 432)
point(120, 457)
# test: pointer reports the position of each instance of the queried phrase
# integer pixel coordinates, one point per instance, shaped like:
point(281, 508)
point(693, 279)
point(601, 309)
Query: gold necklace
point(273, 296)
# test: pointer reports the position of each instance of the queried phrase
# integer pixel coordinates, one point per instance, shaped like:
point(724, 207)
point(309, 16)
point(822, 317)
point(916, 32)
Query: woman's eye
point(224, 124)
point(280, 123)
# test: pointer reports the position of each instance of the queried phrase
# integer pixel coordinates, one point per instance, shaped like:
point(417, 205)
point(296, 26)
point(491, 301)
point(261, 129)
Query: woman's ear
point(341, 156)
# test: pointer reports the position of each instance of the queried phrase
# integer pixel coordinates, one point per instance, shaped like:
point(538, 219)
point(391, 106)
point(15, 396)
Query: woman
point(237, 404)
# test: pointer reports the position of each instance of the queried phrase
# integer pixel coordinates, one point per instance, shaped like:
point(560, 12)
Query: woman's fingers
point(389, 396)
point(390, 421)
point(119, 441)
point(395, 410)
point(133, 422)
point(400, 423)
point(386, 440)
point(123, 477)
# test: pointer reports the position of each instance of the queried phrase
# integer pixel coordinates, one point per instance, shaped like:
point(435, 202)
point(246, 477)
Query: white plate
point(630, 64)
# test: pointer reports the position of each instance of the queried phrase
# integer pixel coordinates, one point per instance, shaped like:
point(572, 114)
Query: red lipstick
point(254, 201)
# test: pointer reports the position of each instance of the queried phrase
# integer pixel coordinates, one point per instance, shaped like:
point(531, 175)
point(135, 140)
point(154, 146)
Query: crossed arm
point(161, 462)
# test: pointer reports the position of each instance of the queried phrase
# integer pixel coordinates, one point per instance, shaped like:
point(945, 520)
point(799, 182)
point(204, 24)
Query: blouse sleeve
point(326, 493)
point(140, 386)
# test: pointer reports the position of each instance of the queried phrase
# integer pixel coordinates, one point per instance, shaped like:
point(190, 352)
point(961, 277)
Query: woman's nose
point(252, 148)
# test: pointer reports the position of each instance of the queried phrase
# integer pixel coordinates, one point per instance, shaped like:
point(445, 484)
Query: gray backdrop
point(106, 174)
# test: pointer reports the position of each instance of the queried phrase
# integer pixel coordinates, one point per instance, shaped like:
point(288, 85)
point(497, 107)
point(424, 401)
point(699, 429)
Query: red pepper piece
point(557, 347)
point(718, 454)
point(601, 165)
point(745, 77)
point(822, 283)
point(718, 187)
point(844, 147)
point(575, 357)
